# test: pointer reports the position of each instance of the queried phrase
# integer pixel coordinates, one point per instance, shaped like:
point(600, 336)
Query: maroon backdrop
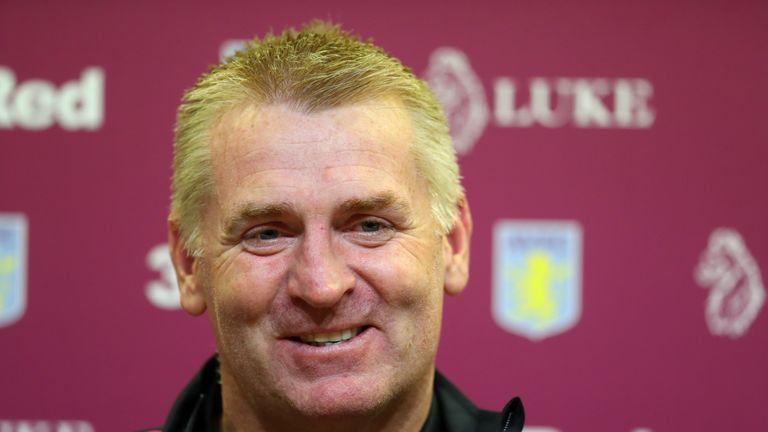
point(615, 155)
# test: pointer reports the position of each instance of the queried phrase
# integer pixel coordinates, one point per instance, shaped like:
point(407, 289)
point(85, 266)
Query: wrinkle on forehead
point(250, 120)
point(281, 136)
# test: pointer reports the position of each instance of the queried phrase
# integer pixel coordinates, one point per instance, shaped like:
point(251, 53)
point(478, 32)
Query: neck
point(407, 413)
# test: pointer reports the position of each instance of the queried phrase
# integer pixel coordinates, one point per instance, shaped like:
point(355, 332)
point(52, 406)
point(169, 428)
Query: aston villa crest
point(537, 277)
point(13, 267)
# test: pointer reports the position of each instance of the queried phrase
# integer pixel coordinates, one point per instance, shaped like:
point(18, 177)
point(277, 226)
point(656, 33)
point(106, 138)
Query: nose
point(320, 275)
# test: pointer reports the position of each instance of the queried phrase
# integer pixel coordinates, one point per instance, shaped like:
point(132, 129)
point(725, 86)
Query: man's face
point(323, 270)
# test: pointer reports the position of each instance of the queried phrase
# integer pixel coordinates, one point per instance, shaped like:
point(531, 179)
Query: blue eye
point(267, 240)
point(370, 226)
point(269, 234)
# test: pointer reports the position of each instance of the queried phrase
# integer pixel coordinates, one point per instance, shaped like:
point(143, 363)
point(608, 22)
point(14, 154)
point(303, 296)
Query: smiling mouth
point(327, 339)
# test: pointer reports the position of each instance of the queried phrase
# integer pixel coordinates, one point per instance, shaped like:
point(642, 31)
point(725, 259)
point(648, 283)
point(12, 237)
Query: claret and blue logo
point(537, 277)
point(13, 267)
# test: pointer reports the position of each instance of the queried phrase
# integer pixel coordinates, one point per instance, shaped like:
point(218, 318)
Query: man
point(318, 217)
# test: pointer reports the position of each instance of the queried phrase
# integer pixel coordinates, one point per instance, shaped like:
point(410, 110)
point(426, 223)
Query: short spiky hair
point(318, 67)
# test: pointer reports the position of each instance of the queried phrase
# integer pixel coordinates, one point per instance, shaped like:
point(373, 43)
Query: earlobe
point(187, 272)
point(456, 250)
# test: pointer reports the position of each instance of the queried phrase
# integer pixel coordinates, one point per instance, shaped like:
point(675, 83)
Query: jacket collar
point(198, 408)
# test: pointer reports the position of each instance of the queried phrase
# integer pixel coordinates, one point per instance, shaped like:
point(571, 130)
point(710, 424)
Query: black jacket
point(198, 408)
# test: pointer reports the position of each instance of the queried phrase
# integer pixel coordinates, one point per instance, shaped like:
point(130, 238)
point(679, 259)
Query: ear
point(456, 250)
point(187, 272)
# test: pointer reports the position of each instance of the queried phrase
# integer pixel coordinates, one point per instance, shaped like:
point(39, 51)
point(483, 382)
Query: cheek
point(402, 277)
point(244, 289)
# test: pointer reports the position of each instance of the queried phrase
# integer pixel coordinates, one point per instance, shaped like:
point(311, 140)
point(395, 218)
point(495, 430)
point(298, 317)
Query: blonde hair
point(318, 67)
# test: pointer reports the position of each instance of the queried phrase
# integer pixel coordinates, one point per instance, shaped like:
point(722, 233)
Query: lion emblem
point(736, 293)
point(461, 94)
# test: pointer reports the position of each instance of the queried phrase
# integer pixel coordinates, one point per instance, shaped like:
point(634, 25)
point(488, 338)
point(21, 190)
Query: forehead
point(379, 125)
point(278, 150)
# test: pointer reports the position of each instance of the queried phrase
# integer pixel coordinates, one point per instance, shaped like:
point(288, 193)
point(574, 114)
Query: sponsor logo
point(37, 104)
point(13, 267)
point(603, 103)
point(163, 292)
point(536, 277)
point(736, 292)
point(621, 103)
point(45, 426)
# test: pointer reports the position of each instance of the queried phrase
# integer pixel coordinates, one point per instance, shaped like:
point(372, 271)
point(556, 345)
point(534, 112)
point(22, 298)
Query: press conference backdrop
point(615, 155)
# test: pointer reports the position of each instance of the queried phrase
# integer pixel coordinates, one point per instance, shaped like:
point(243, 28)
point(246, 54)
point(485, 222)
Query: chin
point(346, 397)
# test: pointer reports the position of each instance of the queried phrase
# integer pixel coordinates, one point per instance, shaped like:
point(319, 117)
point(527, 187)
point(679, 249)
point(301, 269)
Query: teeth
point(330, 338)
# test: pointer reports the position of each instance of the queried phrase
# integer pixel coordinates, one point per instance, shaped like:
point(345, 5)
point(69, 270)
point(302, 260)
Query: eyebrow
point(252, 211)
point(376, 202)
point(384, 200)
